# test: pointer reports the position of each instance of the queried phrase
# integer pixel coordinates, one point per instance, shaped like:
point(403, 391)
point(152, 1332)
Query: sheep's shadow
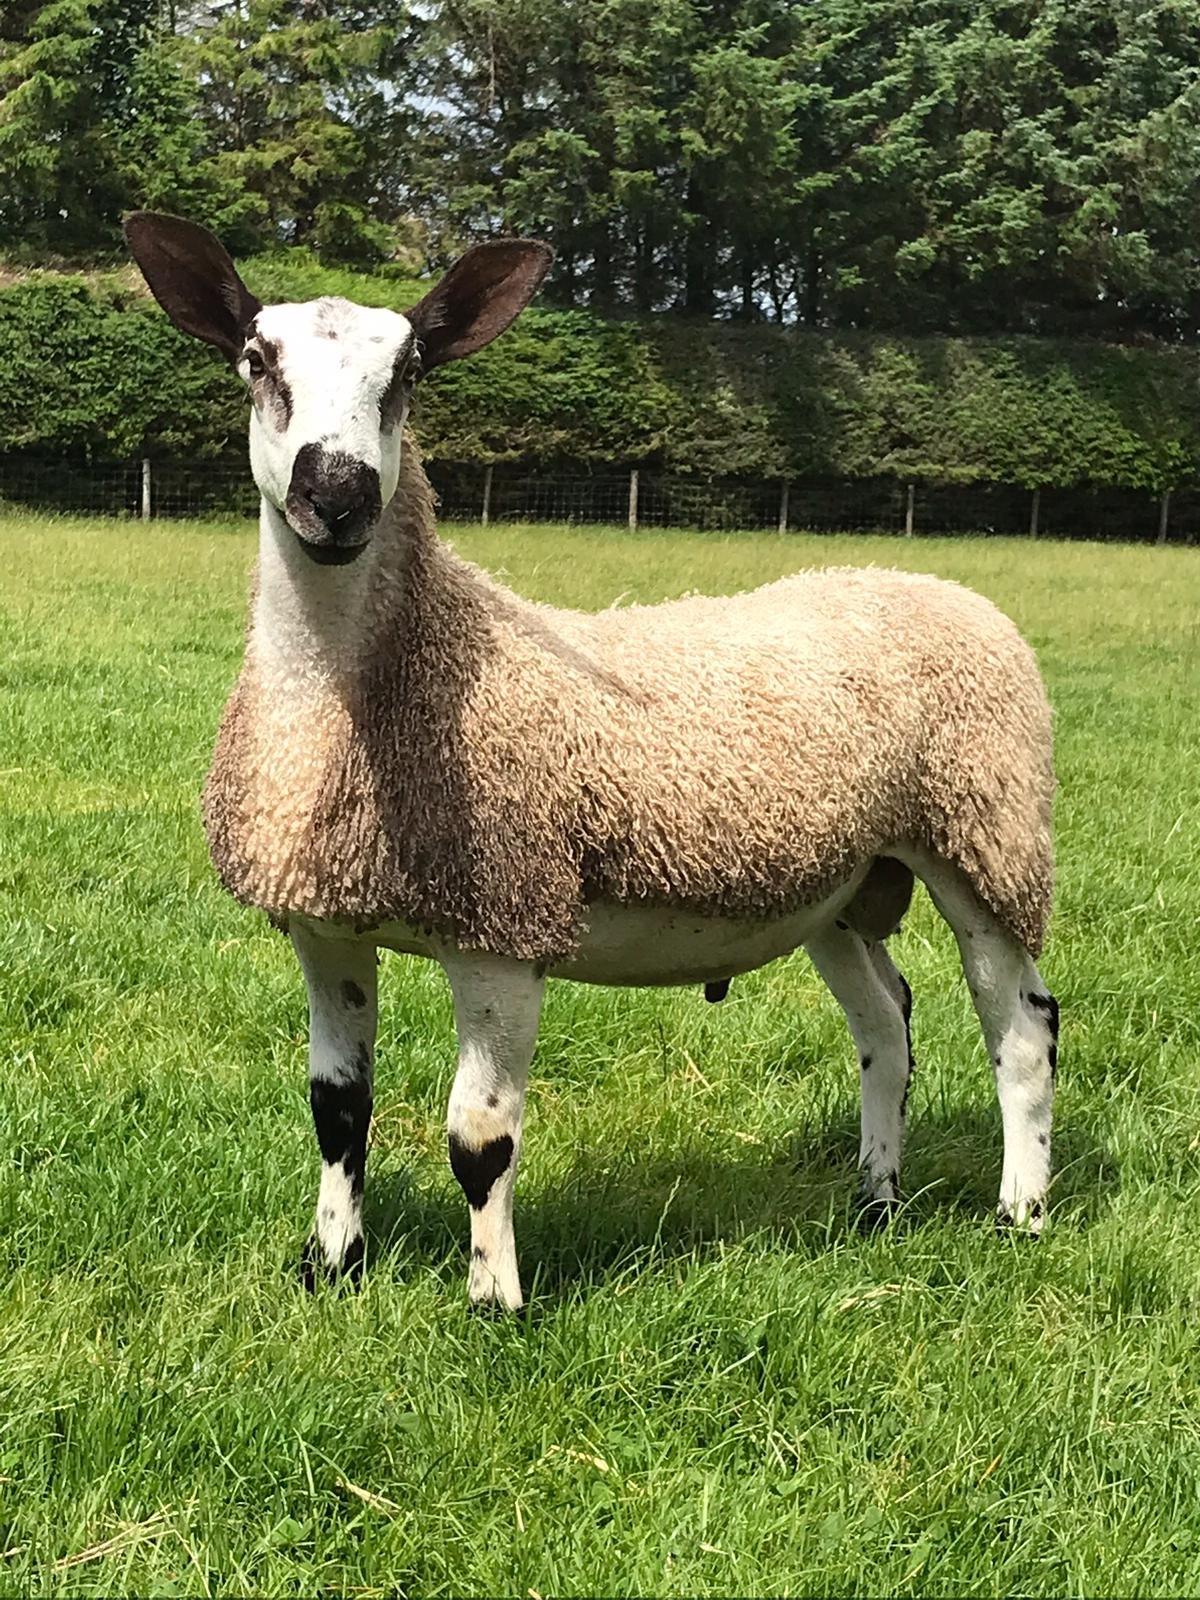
point(614, 1213)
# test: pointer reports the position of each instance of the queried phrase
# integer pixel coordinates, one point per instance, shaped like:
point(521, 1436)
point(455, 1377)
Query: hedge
point(91, 370)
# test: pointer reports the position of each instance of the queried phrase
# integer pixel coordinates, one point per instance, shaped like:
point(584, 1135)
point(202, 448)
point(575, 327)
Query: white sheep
point(414, 758)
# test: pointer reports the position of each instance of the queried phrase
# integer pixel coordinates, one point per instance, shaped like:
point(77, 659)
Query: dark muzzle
point(333, 503)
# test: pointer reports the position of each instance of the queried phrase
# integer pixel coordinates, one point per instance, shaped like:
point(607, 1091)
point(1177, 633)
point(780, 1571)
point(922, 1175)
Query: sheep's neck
point(312, 626)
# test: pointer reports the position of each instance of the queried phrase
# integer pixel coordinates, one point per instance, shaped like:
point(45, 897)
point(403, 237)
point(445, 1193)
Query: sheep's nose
point(333, 502)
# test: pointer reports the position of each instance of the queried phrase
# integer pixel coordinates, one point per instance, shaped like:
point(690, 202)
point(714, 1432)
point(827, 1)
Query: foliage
point(954, 166)
point(91, 367)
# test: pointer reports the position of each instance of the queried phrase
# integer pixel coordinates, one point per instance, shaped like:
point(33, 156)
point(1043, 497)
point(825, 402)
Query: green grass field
point(719, 1387)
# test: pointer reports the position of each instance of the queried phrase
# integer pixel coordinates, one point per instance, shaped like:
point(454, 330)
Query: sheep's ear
point(190, 274)
point(481, 294)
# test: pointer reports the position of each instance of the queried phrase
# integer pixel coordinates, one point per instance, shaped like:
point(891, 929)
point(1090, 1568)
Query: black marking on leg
point(352, 1261)
point(353, 995)
point(478, 1253)
point(866, 1063)
point(715, 992)
point(1043, 1141)
point(477, 1170)
point(342, 1118)
point(906, 1006)
point(1048, 1006)
point(906, 1002)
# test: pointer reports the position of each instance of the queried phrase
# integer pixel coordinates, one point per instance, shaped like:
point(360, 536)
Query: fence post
point(487, 495)
point(783, 506)
point(1164, 513)
point(909, 509)
point(1035, 510)
point(633, 499)
point(146, 486)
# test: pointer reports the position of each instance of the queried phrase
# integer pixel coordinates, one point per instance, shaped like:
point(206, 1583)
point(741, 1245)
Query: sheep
point(413, 758)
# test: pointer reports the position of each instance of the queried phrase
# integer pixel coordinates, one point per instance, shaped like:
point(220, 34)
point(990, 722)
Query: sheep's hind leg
point(862, 979)
point(1019, 1018)
point(340, 974)
point(497, 1004)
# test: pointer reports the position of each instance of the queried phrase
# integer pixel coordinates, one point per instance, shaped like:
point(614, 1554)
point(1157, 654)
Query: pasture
point(719, 1387)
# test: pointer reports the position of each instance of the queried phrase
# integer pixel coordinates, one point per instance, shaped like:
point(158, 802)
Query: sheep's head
point(330, 381)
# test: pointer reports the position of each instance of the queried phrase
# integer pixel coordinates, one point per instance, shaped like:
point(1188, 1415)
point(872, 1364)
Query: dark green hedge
point(89, 368)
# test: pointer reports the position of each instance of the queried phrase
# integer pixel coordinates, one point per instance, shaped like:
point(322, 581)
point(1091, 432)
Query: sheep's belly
point(660, 945)
point(653, 945)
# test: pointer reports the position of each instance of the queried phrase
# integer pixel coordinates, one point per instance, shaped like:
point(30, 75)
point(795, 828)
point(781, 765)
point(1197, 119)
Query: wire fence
point(638, 497)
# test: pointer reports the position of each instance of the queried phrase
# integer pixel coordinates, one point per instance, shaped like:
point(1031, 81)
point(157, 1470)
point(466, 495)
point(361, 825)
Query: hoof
point(1027, 1223)
point(491, 1310)
point(315, 1270)
point(492, 1301)
point(875, 1213)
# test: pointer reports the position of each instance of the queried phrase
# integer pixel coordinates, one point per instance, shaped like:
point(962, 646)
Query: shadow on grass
point(617, 1210)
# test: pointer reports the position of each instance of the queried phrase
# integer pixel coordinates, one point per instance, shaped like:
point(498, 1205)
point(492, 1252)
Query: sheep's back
point(740, 756)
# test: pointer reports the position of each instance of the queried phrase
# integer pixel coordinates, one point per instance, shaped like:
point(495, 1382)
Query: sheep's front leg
point(497, 1004)
point(340, 974)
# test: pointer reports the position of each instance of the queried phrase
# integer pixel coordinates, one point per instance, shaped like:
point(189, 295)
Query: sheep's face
point(330, 384)
point(330, 381)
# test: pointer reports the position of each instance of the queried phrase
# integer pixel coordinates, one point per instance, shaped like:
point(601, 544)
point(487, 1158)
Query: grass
point(720, 1388)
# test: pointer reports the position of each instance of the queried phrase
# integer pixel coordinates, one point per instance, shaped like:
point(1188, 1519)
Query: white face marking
point(329, 364)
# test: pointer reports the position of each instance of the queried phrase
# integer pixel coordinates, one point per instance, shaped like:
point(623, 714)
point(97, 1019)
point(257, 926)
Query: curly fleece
point(495, 765)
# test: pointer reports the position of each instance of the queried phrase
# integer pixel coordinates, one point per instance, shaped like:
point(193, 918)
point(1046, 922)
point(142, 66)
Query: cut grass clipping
point(719, 1388)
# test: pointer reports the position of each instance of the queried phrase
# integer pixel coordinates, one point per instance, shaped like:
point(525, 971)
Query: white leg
point(875, 998)
point(1019, 1018)
point(340, 974)
point(497, 1004)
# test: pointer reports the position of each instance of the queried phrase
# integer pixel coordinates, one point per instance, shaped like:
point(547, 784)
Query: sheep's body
point(480, 770)
point(413, 756)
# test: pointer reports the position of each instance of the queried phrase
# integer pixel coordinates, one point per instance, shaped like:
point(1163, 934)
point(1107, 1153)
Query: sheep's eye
point(255, 364)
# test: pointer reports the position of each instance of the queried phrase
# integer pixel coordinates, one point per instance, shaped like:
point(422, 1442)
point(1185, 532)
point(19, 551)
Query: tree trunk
point(643, 272)
point(697, 289)
point(811, 309)
point(747, 307)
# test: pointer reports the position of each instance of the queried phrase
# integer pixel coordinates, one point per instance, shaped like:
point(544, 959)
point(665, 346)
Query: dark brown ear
point(190, 274)
point(481, 294)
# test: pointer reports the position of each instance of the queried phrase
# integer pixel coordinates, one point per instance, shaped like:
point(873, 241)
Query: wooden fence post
point(909, 509)
point(487, 495)
point(783, 506)
point(1035, 511)
point(146, 488)
point(1164, 514)
point(633, 499)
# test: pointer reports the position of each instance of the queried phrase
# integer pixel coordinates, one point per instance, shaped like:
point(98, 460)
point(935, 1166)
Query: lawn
point(719, 1388)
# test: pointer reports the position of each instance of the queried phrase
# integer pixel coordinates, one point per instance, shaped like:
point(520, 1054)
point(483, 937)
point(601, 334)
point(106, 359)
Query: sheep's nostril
point(335, 512)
